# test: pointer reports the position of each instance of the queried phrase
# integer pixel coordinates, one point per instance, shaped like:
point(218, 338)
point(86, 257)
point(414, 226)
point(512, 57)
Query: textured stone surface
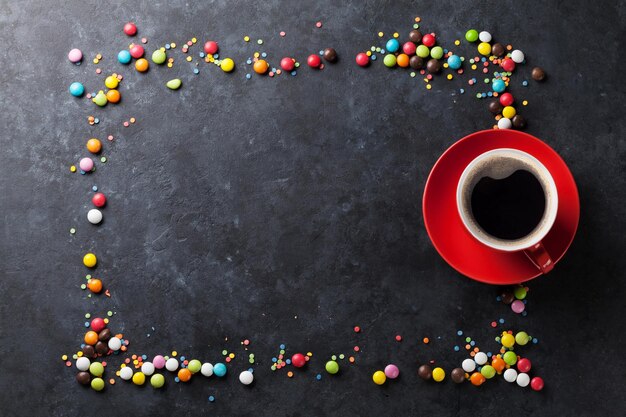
point(236, 205)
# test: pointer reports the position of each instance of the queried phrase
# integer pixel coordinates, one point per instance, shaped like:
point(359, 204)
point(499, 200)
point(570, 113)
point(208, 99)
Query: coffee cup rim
point(513, 245)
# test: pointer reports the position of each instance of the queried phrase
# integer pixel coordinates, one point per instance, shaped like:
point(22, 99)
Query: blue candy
point(124, 57)
point(454, 62)
point(498, 86)
point(219, 369)
point(392, 45)
point(77, 89)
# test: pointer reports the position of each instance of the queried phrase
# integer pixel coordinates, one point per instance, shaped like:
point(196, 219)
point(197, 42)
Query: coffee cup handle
point(540, 257)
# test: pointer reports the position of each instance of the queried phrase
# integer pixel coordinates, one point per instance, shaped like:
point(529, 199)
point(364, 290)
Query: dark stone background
point(236, 205)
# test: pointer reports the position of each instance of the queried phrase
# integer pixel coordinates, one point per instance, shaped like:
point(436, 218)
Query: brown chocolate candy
point(498, 50)
point(83, 378)
point(425, 372)
point(495, 107)
point(89, 351)
point(415, 36)
point(416, 62)
point(104, 335)
point(433, 66)
point(330, 54)
point(457, 375)
point(538, 74)
point(102, 348)
point(518, 123)
point(507, 297)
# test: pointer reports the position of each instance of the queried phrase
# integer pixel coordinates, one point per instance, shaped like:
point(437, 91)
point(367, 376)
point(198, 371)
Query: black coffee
point(509, 208)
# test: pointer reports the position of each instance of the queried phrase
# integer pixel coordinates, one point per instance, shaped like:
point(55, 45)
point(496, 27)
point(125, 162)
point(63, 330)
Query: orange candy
point(95, 285)
point(402, 60)
point(114, 96)
point(184, 374)
point(94, 145)
point(477, 379)
point(498, 364)
point(91, 337)
point(142, 65)
point(261, 66)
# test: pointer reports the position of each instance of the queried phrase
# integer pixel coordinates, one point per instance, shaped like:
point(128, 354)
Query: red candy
point(409, 48)
point(362, 59)
point(287, 64)
point(130, 29)
point(98, 324)
point(506, 99)
point(314, 61)
point(137, 51)
point(210, 47)
point(298, 360)
point(536, 383)
point(99, 200)
point(428, 40)
point(508, 65)
point(523, 365)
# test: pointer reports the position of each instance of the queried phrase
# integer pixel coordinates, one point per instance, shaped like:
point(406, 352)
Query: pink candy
point(75, 55)
point(86, 164)
point(392, 371)
point(158, 362)
point(518, 306)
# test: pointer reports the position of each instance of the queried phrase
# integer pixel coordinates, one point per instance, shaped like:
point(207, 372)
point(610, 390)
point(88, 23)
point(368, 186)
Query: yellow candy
point(139, 378)
point(439, 374)
point(227, 65)
point(379, 377)
point(111, 82)
point(484, 49)
point(508, 340)
point(508, 112)
point(90, 260)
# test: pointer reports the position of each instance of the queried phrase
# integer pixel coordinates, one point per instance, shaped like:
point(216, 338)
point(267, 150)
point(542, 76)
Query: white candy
point(484, 36)
point(468, 365)
point(82, 363)
point(171, 364)
point(504, 123)
point(94, 216)
point(115, 344)
point(510, 375)
point(517, 56)
point(481, 358)
point(147, 368)
point(523, 380)
point(126, 373)
point(246, 377)
point(207, 369)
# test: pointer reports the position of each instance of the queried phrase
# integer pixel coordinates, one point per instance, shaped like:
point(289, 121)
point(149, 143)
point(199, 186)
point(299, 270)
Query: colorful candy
point(389, 61)
point(171, 364)
point(488, 371)
point(260, 67)
point(481, 358)
point(507, 340)
point(454, 62)
point(510, 358)
point(484, 48)
point(246, 377)
point(184, 375)
point(157, 381)
point(94, 285)
point(287, 64)
point(429, 40)
point(468, 365)
point(436, 52)
point(498, 85)
point(524, 365)
point(139, 378)
point(126, 373)
point(523, 380)
point(99, 200)
point(379, 377)
point(332, 367)
point(75, 55)
point(409, 48)
point(90, 260)
point(194, 366)
point(392, 371)
point(477, 379)
point(392, 45)
point(227, 65)
point(142, 65)
point(82, 363)
point(130, 29)
point(506, 99)
point(484, 36)
point(505, 123)
point(438, 374)
point(508, 65)
point(314, 61)
point(219, 369)
point(115, 344)
point(96, 369)
point(517, 56)
point(298, 360)
point(97, 384)
point(211, 47)
point(98, 324)
point(77, 89)
point(100, 99)
point(159, 56)
point(124, 57)
point(510, 375)
point(158, 361)
point(137, 51)
point(471, 35)
point(174, 84)
point(207, 369)
point(422, 51)
point(536, 383)
point(362, 59)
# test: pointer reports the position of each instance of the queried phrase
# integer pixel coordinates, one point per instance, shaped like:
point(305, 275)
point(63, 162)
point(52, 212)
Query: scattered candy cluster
point(419, 53)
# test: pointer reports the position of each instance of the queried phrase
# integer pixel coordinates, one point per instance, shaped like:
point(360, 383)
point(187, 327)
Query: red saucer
point(454, 243)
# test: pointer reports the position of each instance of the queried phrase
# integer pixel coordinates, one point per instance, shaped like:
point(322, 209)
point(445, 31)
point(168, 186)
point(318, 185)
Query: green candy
point(422, 51)
point(390, 60)
point(158, 57)
point(96, 369)
point(510, 358)
point(97, 384)
point(522, 338)
point(332, 367)
point(471, 35)
point(437, 52)
point(157, 381)
point(100, 99)
point(194, 366)
point(520, 292)
point(174, 84)
point(488, 371)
